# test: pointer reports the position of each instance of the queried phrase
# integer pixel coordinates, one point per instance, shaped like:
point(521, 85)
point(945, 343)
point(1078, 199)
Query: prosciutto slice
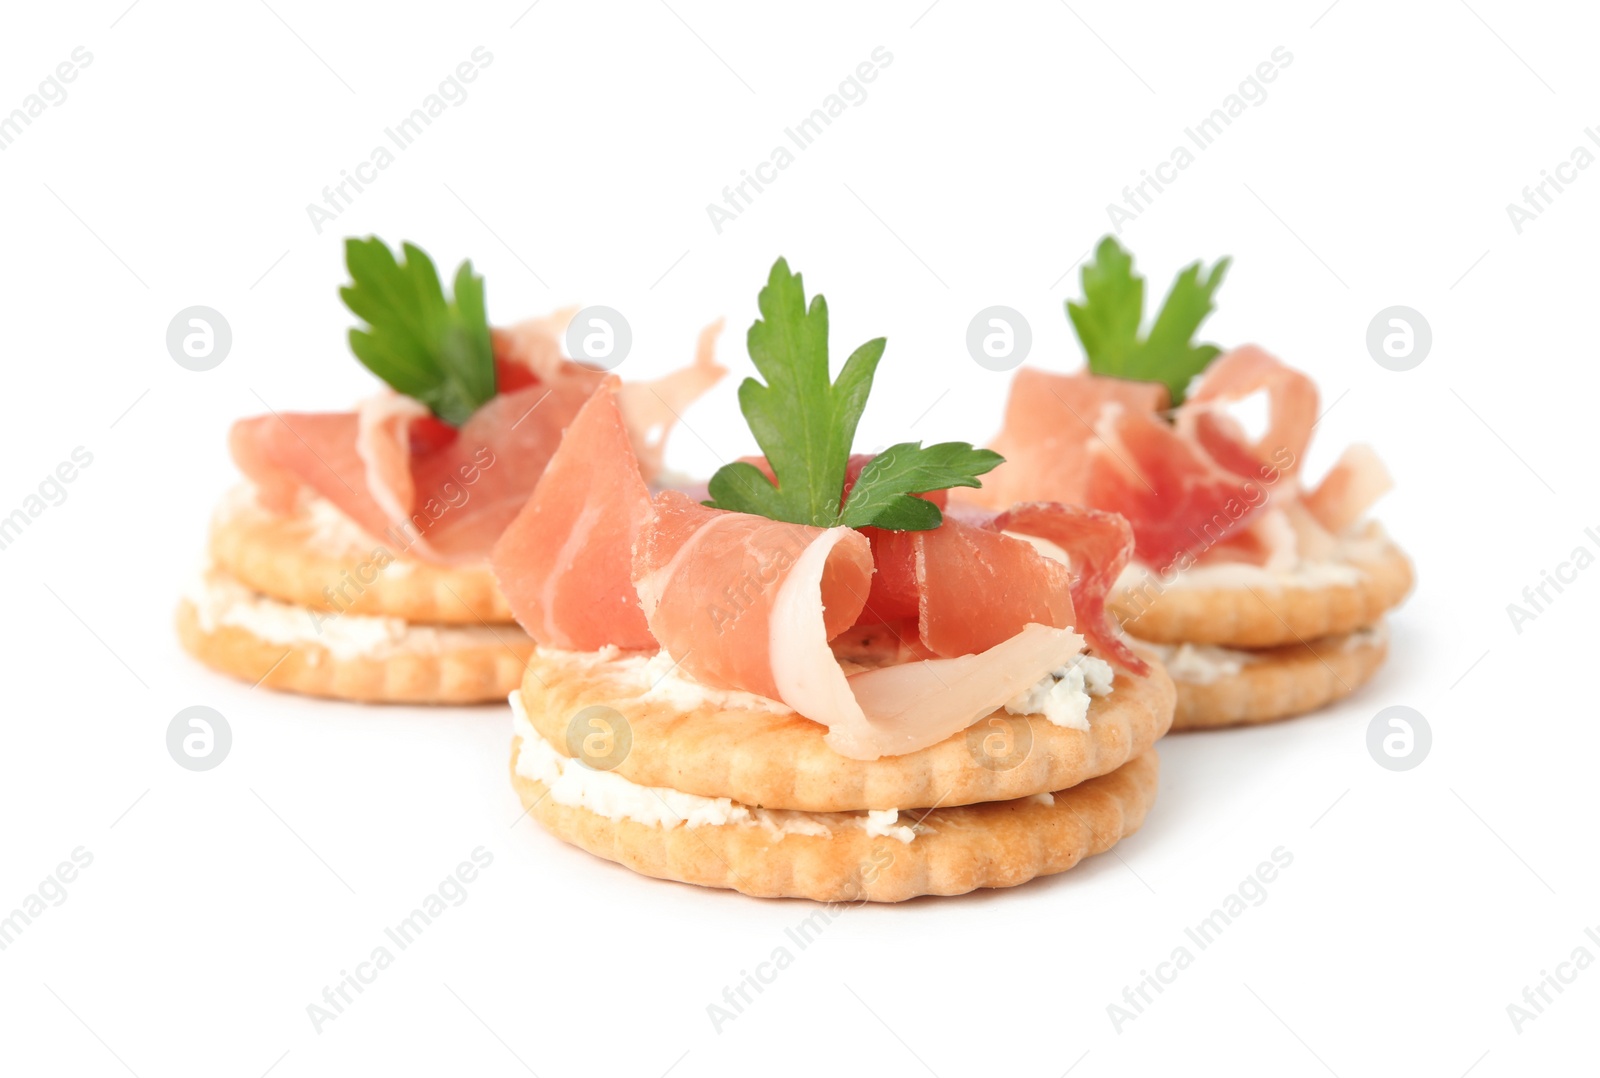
point(1198, 485)
point(1176, 496)
point(1291, 413)
point(1349, 489)
point(565, 564)
point(976, 588)
point(749, 603)
point(445, 495)
point(1049, 429)
point(1098, 546)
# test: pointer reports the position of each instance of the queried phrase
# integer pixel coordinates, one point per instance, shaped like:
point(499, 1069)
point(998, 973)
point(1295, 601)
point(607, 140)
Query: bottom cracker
point(472, 674)
point(956, 850)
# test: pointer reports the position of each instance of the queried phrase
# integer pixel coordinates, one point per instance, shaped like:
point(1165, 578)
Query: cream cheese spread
point(1062, 696)
point(221, 601)
point(1201, 664)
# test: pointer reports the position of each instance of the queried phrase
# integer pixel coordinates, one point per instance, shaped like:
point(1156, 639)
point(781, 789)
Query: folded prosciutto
point(443, 493)
point(744, 602)
point(1191, 483)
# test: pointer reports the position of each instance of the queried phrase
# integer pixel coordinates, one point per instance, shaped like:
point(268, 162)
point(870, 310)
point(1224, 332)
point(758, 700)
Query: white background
point(977, 172)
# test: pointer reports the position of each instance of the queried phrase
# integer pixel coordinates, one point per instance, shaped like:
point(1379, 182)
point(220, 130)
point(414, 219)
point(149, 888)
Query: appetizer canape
point(818, 683)
point(353, 562)
point(1263, 596)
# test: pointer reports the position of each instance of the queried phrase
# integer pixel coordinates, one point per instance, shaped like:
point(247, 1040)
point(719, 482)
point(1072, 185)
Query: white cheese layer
point(1062, 696)
point(1206, 664)
point(573, 783)
point(220, 601)
point(1201, 664)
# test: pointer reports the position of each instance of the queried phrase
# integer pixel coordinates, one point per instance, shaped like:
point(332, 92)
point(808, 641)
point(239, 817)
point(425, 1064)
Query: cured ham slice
point(1291, 413)
point(284, 452)
point(383, 442)
point(1196, 486)
point(977, 588)
point(1049, 429)
point(565, 564)
point(969, 586)
point(445, 495)
point(749, 603)
point(1348, 490)
point(707, 575)
point(1177, 498)
point(911, 706)
point(1098, 546)
point(503, 450)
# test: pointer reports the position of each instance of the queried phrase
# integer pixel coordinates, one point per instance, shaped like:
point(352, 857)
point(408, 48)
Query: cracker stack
point(718, 792)
point(1261, 651)
point(307, 603)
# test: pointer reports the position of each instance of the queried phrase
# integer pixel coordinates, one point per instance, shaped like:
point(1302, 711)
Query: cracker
point(1277, 683)
point(1262, 617)
point(316, 559)
point(428, 665)
point(780, 761)
point(956, 850)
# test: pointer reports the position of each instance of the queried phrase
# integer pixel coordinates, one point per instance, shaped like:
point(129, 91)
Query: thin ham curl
point(565, 564)
point(749, 603)
point(1098, 546)
point(1349, 489)
point(1176, 496)
point(1291, 412)
point(445, 495)
point(1049, 429)
point(1196, 486)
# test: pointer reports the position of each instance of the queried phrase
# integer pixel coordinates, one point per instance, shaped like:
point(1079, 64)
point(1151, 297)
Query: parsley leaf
point(805, 424)
point(882, 496)
point(423, 345)
point(1108, 320)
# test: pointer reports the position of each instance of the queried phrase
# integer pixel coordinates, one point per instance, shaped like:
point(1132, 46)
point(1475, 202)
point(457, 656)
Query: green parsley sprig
point(1108, 321)
point(423, 345)
point(805, 423)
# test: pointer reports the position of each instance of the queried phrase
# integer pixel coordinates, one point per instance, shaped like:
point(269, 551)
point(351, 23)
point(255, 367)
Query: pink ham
point(1175, 495)
point(443, 495)
point(1291, 406)
point(744, 602)
point(1195, 486)
point(1049, 429)
point(565, 564)
point(708, 580)
point(1098, 546)
point(977, 588)
point(1348, 490)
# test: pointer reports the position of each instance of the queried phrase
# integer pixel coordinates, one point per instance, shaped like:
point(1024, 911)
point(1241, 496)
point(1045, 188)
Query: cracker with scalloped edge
point(421, 664)
point(955, 849)
point(1279, 683)
point(1261, 616)
point(779, 760)
point(318, 559)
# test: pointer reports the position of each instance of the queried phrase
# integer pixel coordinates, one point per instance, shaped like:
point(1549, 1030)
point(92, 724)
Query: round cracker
point(300, 559)
point(454, 672)
point(956, 850)
point(1278, 683)
point(1257, 616)
point(780, 761)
